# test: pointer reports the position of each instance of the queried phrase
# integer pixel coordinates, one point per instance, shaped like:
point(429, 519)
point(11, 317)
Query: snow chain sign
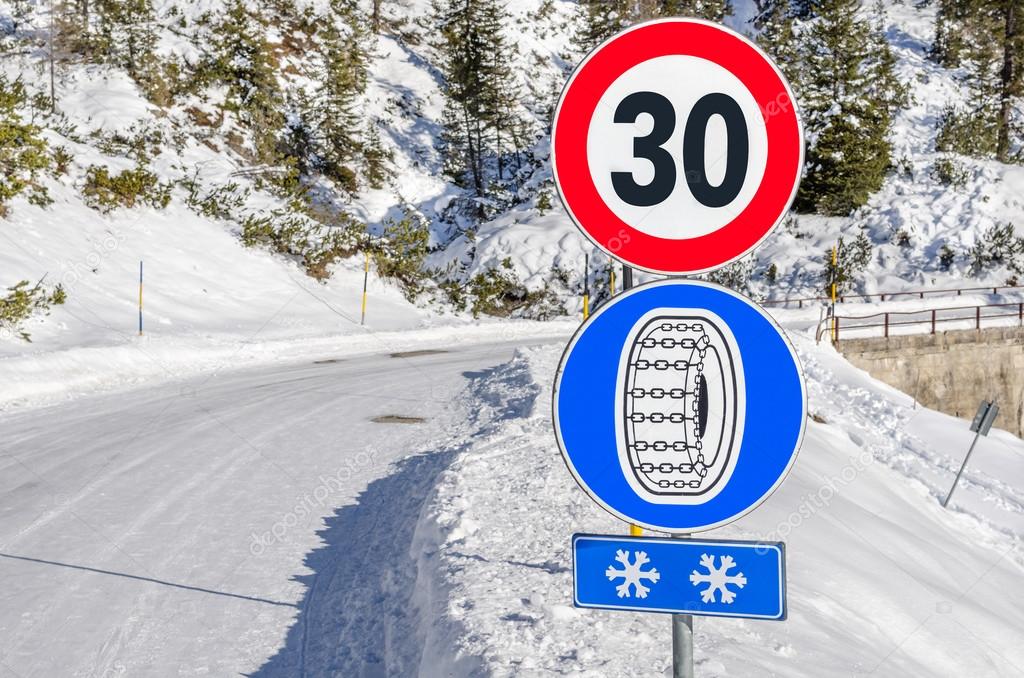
point(676, 146)
point(679, 406)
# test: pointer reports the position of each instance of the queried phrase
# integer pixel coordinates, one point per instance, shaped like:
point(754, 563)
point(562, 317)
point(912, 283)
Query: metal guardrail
point(932, 318)
point(890, 296)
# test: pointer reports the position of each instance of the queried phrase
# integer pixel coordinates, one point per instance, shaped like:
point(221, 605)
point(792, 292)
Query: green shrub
point(949, 172)
point(106, 192)
point(497, 292)
point(316, 244)
point(221, 202)
point(946, 257)
point(851, 259)
point(23, 301)
point(544, 201)
point(998, 246)
point(23, 153)
point(735, 276)
point(968, 133)
point(400, 255)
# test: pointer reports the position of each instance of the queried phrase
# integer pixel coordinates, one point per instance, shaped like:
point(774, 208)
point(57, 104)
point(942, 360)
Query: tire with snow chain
point(679, 406)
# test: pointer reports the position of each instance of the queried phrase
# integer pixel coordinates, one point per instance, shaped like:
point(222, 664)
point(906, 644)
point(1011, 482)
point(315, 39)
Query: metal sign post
point(981, 425)
point(682, 641)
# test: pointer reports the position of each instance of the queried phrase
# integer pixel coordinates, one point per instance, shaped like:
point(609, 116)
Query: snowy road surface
point(174, 530)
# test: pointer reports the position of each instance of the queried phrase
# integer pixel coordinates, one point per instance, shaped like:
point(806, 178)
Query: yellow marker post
point(835, 274)
point(636, 531)
point(586, 286)
point(613, 281)
point(140, 298)
point(366, 278)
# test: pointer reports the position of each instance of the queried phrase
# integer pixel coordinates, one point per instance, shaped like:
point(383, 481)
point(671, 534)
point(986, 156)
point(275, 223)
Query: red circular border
point(572, 125)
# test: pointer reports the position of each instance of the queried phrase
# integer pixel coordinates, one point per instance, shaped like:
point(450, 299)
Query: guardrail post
point(933, 321)
point(886, 325)
point(977, 317)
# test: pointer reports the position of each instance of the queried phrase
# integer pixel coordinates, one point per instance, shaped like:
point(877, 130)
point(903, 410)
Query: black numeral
point(736, 154)
point(651, 148)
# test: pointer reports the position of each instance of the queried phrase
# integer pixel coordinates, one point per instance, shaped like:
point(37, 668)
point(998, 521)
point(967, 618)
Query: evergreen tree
point(125, 35)
point(601, 20)
point(849, 97)
point(777, 36)
point(986, 36)
point(712, 10)
point(480, 116)
point(342, 76)
point(242, 60)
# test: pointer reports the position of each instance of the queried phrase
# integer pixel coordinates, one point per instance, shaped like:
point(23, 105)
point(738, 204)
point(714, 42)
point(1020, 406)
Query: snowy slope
point(203, 283)
point(882, 581)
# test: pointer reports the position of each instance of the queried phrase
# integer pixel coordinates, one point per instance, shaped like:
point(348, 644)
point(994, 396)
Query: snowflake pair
point(717, 578)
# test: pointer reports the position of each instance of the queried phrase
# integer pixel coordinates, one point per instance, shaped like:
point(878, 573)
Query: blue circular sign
point(679, 406)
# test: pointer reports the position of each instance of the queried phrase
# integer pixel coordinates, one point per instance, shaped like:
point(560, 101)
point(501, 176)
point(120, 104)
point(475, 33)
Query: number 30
point(651, 148)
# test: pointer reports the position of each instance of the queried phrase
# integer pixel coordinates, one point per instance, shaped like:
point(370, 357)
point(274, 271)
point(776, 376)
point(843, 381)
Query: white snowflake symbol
point(717, 579)
point(632, 574)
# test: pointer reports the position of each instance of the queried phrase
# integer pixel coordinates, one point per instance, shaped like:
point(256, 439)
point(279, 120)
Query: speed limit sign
point(677, 146)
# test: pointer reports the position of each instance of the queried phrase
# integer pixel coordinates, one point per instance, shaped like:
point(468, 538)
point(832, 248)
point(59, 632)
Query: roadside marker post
point(586, 286)
point(140, 298)
point(366, 280)
point(981, 425)
point(679, 405)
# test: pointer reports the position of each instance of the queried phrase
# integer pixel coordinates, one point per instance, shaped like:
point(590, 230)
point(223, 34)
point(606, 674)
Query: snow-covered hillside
point(202, 281)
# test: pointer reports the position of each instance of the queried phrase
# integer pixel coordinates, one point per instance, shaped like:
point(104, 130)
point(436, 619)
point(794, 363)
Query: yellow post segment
point(636, 531)
point(613, 282)
point(366, 276)
point(586, 306)
point(835, 275)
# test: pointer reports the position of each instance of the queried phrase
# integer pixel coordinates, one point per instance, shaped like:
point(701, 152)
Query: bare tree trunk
point(1008, 79)
point(375, 16)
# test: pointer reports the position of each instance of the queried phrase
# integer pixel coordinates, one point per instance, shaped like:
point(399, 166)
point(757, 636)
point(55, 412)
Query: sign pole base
point(682, 646)
point(682, 640)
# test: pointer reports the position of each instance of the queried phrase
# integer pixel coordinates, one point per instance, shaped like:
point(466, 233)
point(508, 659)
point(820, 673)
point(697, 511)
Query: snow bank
point(881, 579)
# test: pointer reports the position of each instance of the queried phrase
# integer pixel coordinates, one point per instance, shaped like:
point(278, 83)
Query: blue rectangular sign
point(711, 578)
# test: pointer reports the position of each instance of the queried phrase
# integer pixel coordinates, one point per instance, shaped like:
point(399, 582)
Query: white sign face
point(666, 117)
point(680, 405)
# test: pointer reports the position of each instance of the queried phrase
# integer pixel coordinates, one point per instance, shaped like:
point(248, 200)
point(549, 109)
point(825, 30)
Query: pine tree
point(777, 36)
point(342, 76)
point(849, 98)
point(712, 10)
point(242, 60)
point(950, 37)
point(986, 36)
point(1011, 75)
point(480, 116)
point(601, 20)
point(125, 35)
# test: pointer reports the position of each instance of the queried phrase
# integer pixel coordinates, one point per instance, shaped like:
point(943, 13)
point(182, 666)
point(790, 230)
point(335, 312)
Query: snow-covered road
point(180, 530)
